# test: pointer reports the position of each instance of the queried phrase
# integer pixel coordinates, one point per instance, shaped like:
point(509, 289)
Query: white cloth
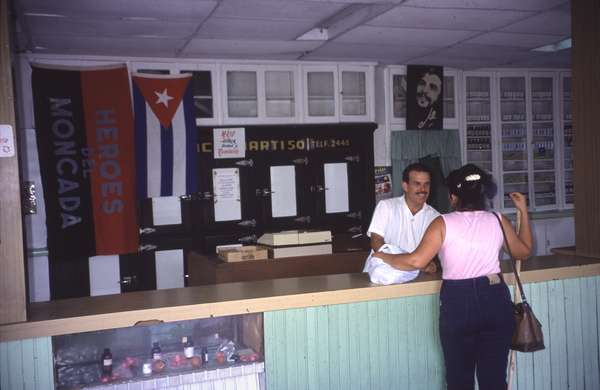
point(393, 220)
point(381, 272)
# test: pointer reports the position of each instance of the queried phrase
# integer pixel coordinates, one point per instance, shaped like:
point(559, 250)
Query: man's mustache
point(423, 95)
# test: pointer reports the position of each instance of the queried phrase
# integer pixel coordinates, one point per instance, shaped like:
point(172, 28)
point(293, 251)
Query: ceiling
point(464, 34)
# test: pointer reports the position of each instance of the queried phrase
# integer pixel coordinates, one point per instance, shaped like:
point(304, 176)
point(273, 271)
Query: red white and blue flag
point(165, 135)
point(84, 130)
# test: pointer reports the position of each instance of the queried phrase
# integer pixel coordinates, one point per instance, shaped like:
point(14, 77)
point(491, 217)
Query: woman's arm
point(425, 252)
point(521, 244)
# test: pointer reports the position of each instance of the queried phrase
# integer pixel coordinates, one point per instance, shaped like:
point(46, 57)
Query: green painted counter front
point(394, 343)
point(385, 344)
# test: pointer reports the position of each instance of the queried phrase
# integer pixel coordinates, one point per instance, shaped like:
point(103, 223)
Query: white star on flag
point(163, 97)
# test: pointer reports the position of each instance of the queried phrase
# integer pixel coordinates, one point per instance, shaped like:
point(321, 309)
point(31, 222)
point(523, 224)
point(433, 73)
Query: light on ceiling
point(562, 45)
point(139, 19)
point(316, 34)
point(44, 15)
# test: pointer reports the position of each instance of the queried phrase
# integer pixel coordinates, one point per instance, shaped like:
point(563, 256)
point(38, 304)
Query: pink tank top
point(471, 246)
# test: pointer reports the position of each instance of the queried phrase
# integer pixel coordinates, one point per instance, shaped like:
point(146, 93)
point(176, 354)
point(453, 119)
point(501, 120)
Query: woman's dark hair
point(473, 186)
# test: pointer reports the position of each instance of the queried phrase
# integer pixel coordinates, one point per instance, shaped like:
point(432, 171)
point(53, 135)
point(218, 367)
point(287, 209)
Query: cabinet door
point(478, 114)
point(560, 232)
point(567, 140)
point(104, 275)
point(138, 271)
point(169, 269)
point(451, 120)
point(513, 128)
point(356, 93)
point(397, 97)
point(289, 203)
point(242, 87)
point(320, 93)
point(543, 141)
point(205, 92)
point(281, 84)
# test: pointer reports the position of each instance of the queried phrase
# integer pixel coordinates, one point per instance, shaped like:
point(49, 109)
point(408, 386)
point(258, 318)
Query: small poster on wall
point(424, 97)
point(229, 142)
point(383, 183)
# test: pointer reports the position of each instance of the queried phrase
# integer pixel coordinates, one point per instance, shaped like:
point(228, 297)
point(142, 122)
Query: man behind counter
point(402, 221)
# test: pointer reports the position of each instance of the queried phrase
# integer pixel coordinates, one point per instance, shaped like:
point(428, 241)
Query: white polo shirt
point(394, 221)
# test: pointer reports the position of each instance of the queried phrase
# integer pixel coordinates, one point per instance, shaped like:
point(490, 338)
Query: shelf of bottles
point(513, 124)
point(542, 142)
point(568, 141)
point(479, 128)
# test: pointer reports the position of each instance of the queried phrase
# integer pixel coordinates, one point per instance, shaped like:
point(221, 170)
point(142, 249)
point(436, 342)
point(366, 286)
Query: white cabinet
point(451, 100)
point(512, 101)
point(566, 125)
point(260, 94)
point(542, 141)
point(479, 117)
point(333, 93)
point(552, 233)
point(512, 129)
point(356, 94)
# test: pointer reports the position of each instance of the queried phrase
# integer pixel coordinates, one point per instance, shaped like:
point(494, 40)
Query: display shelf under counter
point(116, 311)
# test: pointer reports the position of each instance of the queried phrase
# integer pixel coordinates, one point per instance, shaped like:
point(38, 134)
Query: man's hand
point(431, 268)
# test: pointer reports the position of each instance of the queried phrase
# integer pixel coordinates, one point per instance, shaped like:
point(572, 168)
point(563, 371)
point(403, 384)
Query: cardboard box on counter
point(278, 252)
point(295, 237)
point(243, 253)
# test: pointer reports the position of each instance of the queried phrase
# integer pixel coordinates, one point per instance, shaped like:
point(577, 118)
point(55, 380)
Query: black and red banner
point(85, 138)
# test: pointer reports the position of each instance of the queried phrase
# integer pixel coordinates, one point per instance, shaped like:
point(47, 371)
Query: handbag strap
point(513, 262)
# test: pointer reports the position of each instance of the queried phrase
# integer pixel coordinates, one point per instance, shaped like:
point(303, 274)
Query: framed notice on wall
point(229, 142)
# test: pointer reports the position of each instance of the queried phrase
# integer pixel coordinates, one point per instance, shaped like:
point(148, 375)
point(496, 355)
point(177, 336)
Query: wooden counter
point(117, 311)
point(205, 270)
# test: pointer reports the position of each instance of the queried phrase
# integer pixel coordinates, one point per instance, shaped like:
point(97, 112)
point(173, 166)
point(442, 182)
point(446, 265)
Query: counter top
point(116, 311)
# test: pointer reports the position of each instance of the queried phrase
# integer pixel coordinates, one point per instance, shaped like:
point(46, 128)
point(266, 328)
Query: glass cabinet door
point(203, 95)
point(354, 93)
point(449, 104)
point(242, 94)
point(451, 115)
point(399, 96)
point(513, 125)
point(568, 140)
point(542, 142)
point(279, 94)
point(321, 93)
point(478, 118)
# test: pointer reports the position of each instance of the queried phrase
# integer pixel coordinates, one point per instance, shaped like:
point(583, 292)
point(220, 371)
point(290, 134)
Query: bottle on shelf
point(204, 355)
point(188, 347)
point(107, 362)
point(156, 351)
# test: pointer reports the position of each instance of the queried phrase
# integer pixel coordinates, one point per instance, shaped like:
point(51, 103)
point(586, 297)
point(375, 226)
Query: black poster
point(425, 97)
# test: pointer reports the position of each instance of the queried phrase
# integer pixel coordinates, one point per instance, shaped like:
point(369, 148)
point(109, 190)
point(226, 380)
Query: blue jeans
point(476, 327)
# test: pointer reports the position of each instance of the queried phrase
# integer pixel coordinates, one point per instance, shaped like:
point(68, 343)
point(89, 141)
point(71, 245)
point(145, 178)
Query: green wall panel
point(384, 344)
point(26, 365)
point(395, 343)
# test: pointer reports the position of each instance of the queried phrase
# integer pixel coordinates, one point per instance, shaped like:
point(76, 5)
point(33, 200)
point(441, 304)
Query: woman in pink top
point(476, 314)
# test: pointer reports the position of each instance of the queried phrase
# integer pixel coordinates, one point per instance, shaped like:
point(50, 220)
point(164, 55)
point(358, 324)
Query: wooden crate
point(243, 253)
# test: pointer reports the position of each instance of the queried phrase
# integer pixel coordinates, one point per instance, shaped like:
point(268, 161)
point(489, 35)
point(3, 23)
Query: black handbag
point(528, 336)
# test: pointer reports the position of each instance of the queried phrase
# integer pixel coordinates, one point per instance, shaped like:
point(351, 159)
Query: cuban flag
point(165, 135)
